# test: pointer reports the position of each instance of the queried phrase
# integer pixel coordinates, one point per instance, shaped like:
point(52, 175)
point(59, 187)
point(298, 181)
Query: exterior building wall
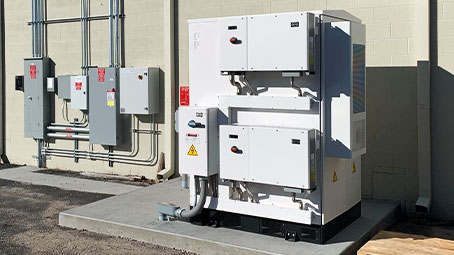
point(442, 108)
point(144, 46)
point(390, 165)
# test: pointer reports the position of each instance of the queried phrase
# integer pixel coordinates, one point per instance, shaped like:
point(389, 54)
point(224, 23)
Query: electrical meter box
point(37, 101)
point(139, 90)
point(268, 155)
point(64, 87)
point(106, 125)
point(79, 92)
point(262, 42)
point(198, 141)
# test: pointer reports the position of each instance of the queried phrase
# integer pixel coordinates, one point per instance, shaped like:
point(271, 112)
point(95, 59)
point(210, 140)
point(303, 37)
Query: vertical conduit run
point(82, 34)
point(117, 33)
point(33, 29)
point(111, 46)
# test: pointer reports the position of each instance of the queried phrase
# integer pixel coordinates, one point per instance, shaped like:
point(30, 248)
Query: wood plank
point(393, 243)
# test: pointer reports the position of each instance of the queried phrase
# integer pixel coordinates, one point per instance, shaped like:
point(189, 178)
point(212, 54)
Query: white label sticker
point(110, 99)
point(192, 138)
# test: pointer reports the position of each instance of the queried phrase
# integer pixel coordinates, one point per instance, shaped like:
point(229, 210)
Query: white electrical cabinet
point(139, 90)
point(302, 78)
point(279, 42)
point(198, 141)
point(233, 42)
point(268, 155)
point(79, 97)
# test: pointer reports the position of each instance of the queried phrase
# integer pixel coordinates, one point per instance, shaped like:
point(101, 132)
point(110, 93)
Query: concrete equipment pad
point(27, 174)
point(134, 215)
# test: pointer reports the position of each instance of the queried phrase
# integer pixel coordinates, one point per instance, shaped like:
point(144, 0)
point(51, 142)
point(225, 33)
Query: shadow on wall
point(390, 165)
point(442, 126)
point(442, 143)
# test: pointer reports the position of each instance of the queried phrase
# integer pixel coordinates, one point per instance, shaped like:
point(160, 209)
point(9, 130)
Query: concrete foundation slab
point(133, 215)
point(27, 174)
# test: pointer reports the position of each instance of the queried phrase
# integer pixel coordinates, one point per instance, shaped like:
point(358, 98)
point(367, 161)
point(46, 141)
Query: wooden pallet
point(387, 243)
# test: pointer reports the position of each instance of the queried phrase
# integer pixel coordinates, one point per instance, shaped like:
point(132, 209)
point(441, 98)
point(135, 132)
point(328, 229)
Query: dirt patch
point(29, 224)
point(130, 180)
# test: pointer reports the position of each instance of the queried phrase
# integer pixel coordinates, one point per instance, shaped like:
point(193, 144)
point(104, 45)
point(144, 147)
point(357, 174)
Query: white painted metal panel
point(139, 90)
point(234, 165)
point(279, 156)
point(194, 152)
point(266, 102)
point(79, 92)
point(278, 42)
point(205, 80)
point(233, 44)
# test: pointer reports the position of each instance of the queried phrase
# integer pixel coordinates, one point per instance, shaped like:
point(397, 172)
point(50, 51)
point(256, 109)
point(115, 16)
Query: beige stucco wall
point(389, 167)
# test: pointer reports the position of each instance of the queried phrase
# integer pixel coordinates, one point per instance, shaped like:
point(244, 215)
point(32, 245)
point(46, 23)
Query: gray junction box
point(139, 90)
point(64, 87)
point(106, 125)
point(37, 101)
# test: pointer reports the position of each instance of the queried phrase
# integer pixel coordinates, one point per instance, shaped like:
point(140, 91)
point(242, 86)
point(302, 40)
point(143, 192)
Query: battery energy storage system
point(276, 125)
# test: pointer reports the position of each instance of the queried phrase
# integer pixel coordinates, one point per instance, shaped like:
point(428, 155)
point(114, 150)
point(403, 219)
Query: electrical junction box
point(139, 90)
point(37, 102)
point(64, 87)
point(268, 155)
point(198, 141)
point(79, 92)
point(52, 85)
point(277, 42)
point(106, 124)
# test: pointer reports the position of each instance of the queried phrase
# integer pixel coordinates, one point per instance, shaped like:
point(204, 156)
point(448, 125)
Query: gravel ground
point(29, 218)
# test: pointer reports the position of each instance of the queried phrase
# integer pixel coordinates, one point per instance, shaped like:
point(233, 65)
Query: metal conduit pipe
point(165, 209)
point(68, 129)
point(105, 159)
point(91, 154)
point(64, 112)
point(69, 136)
point(82, 32)
point(94, 155)
point(33, 29)
point(183, 214)
point(41, 28)
point(134, 137)
point(111, 46)
point(117, 33)
point(38, 46)
point(151, 160)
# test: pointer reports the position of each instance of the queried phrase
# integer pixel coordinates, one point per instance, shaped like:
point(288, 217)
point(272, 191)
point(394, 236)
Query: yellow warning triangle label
point(354, 168)
point(335, 177)
point(192, 151)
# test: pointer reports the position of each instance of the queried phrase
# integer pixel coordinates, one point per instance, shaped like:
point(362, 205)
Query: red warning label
point(101, 74)
point(184, 96)
point(78, 85)
point(33, 72)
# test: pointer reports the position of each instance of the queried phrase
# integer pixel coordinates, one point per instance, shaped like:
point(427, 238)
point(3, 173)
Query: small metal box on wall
point(139, 90)
point(64, 87)
point(106, 126)
point(37, 101)
point(79, 92)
